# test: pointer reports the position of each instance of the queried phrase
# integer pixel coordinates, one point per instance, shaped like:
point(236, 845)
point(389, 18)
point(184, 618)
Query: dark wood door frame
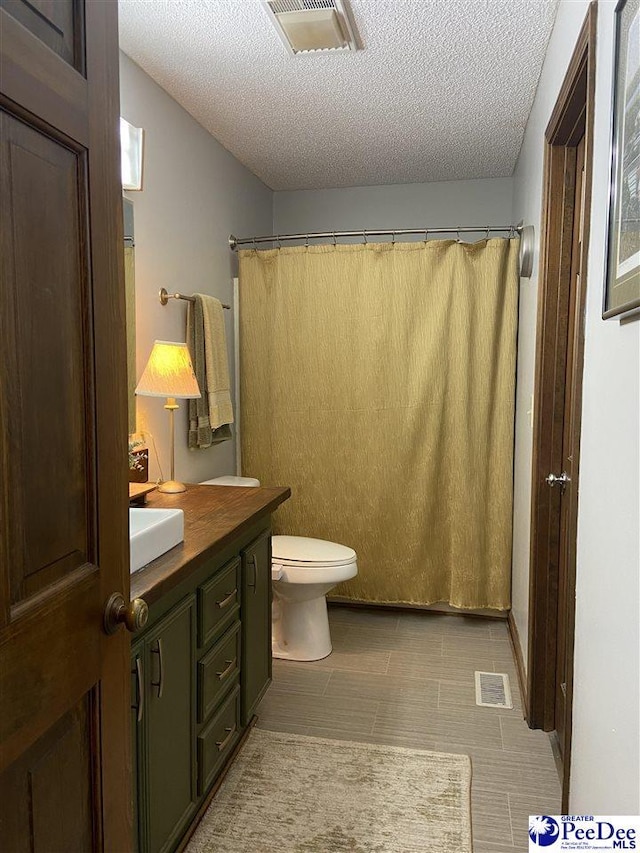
point(559, 332)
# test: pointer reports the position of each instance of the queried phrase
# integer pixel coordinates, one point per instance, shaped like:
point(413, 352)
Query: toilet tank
point(230, 480)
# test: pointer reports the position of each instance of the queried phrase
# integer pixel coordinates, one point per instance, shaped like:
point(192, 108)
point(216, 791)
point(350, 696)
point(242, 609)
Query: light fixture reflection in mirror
point(130, 294)
point(131, 145)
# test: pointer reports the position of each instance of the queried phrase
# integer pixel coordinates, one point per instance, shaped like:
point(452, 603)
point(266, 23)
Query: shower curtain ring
point(306, 241)
point(426, 235)
point(255, 247)
point(393, 238)
point(335, 242)
point(487, 234)
point(278, 241)
point(364, 235)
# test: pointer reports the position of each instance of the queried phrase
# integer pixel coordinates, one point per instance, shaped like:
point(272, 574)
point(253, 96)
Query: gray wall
point(446, 203)
point(605, 776)
point(195, 193)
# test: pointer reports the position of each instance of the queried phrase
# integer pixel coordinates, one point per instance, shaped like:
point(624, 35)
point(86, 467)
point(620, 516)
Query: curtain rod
point(234, 242)
point(526, 232)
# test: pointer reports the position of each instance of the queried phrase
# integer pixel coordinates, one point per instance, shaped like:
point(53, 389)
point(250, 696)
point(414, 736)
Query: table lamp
point(169, 373)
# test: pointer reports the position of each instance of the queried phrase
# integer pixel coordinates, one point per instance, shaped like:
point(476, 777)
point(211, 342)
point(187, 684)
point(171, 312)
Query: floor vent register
point(493, 690)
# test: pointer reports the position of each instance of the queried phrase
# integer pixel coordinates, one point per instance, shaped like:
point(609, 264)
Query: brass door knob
point(133, 616)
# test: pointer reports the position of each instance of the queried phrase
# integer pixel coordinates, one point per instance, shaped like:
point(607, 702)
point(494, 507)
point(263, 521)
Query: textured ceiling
point(442, 90)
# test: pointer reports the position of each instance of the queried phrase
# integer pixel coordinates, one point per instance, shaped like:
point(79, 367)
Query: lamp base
point(172, 487)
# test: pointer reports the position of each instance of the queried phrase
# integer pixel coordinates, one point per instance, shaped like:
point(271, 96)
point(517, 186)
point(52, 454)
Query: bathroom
point(183, 218)
point(383, 662)
point(436, 121)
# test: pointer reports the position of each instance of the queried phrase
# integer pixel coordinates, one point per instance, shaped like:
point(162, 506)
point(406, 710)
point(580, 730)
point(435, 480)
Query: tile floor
point(408, 679)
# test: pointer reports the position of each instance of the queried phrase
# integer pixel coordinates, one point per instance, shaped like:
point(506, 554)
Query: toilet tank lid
point(301, 549)
point(230, 480)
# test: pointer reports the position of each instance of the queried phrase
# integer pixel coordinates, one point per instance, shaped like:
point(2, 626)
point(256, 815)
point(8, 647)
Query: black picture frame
point(622, 282)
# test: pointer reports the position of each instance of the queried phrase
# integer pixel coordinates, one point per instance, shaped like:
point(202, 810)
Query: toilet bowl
point(303, 570)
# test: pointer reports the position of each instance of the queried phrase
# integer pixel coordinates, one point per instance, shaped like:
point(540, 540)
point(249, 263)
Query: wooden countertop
point(213, 517)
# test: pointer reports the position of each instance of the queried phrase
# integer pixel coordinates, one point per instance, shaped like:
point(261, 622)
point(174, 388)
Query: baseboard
point(436, 609)
point(557, 755)
point(520, 668)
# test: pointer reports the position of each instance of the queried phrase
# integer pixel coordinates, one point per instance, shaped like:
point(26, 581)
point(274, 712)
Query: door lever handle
point(562, 480)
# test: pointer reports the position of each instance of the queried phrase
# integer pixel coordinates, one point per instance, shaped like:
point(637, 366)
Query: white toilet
point(303, 571)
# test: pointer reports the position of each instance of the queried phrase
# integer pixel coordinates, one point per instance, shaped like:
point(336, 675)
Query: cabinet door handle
point(160, 682)
point(254, 585)
point(139, 707)
point(227, 601)
point(221, 744)
point(225, 672)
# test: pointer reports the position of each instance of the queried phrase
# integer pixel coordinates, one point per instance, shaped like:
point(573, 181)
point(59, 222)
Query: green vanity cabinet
point(256, 624)
point(198, 673)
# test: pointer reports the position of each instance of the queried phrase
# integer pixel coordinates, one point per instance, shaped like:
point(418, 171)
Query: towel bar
point(165, 297)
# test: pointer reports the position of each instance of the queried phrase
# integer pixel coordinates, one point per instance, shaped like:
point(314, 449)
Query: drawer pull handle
point(221, 744)
point(160, 682)
point(227, 601)
point(225, 672)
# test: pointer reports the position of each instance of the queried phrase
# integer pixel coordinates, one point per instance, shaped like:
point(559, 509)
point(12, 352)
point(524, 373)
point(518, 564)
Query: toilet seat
point(301, 564)
point(299, 559)
point(304, 552)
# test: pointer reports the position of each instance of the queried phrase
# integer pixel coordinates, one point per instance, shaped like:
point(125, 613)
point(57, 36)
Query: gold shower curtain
point(378, 381)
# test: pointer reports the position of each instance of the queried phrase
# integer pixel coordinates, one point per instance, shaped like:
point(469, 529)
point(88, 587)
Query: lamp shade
point(169, 373)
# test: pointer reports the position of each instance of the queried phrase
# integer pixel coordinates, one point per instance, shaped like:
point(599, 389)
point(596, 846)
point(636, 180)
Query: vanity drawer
point(217, 740)
point(218, 602)
point(218, 670)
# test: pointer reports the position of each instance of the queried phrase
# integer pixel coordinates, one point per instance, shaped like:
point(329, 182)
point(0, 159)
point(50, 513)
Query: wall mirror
point(130, 291)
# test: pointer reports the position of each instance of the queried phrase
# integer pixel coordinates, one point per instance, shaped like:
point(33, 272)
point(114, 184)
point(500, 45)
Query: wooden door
point(64, 690)
point(566, 556)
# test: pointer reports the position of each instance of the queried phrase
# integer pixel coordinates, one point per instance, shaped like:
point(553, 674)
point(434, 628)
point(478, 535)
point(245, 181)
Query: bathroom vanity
point(203, 662)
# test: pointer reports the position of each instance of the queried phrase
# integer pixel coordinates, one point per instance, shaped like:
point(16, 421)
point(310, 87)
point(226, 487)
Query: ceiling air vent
point(312, 26)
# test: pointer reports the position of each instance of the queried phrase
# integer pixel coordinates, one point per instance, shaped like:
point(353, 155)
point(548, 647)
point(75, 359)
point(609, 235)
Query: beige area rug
point(295, 794)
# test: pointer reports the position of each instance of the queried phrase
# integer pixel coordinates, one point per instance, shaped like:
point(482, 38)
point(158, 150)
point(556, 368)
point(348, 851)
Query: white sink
point(153, 532)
